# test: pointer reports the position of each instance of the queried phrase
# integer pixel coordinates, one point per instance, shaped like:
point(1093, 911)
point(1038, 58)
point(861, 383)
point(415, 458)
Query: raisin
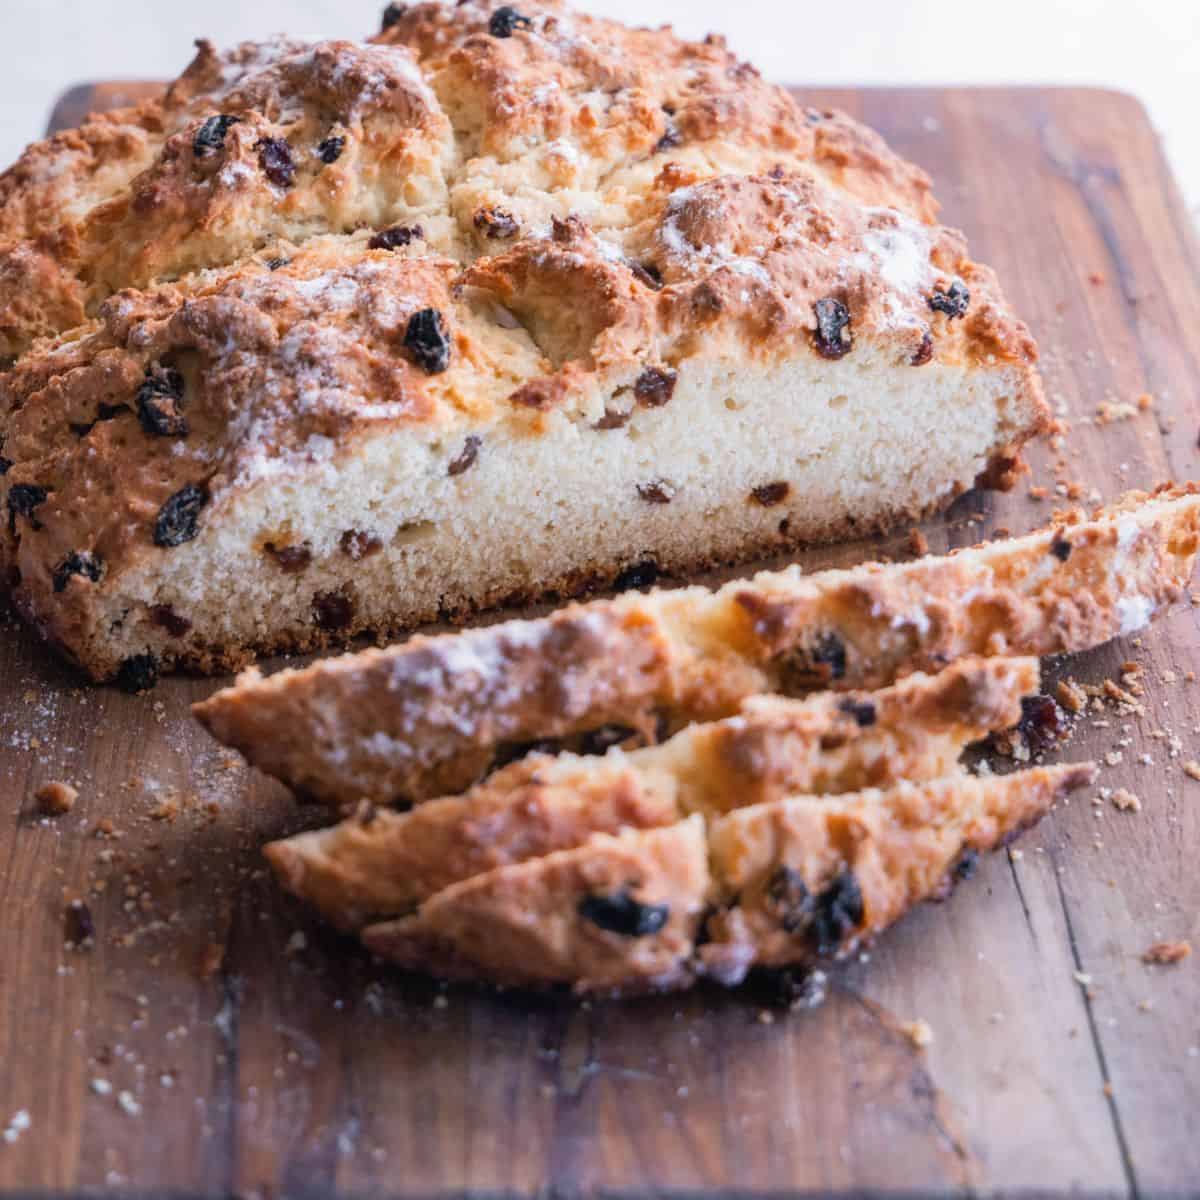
point(79, 929)
point(5, 465)
point(968, 860)
point(614, 418)
point(789, 900)
point(178, 519)
point(427, 341)
point(506, 21)
point(496, 223)
point(330, 150)
point(469, 456)
point(620, 913)
point(954, 302)
point(1043, 724)
point(655, 386)
point(1060, 548)
point(24, 499)
point(210, 137)
point(395, 237)
point(275, 264)
point(672, 137)
point(159, 401)
point(393, 14)
point(333, 611)
point(924, 352)
point(634, 578)
point(275, 158)
point(863, 711)
point(165, 617)
point(648, 274)
point(659, 491)
point(80, 562)
point(830, 652)
point(839, 911)
point(138, 674)
point(357, 546)
point(292, 560)
point(786, 987)
point(770, 494)
point(832, 338)
point(602, 740)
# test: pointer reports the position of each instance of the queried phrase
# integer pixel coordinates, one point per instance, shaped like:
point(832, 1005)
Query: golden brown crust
point(813, 878)
point(381, 863)
point(794, 882)
point(581, 202)
point(531, 924)
point(406, 721)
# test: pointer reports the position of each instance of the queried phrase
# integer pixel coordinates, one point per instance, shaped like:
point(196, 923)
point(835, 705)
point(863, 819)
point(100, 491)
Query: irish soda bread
point(429, 717)
point(382, 863)
point(347, 336)
point(788, 883)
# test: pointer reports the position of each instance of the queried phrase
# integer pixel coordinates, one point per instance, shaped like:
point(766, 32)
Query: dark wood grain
point(297, 1067)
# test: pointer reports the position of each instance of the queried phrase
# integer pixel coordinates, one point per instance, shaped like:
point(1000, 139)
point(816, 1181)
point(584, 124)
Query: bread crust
point(526, 925)
point(380, 863)
point(695, 219)
point(426, 717)
point(793, 883)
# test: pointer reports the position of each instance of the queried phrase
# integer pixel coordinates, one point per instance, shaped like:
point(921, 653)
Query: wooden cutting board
point(216, 1041)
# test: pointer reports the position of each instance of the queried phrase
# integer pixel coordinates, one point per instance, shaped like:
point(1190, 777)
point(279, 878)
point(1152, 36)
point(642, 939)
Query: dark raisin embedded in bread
point(138, 674)
point(178, 520)
point(330, 150)
point(506, 21)
point(832, 338)
point(210, 137)
point(427, 340)
point(953, 301)
point(81, 563)
point(623, 915)
point(275, 158)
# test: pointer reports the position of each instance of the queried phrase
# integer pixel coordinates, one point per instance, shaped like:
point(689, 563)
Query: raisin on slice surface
point(24, 499)
point(394, 238)
point(621, 914)
point(506, 21)
point(954, 301)
point(427, 340)
point(275, 158)
point(330, 150)
point(839, 912)
point(178, 519)
point(832, 338)
point(80, 562)
point(138, 674)
point(210, 137)
point(159, 402)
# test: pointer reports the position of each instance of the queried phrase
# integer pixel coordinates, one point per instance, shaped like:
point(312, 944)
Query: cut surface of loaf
point(381, 863)
point(355, 336)
point(427, 718)
point(788, 883)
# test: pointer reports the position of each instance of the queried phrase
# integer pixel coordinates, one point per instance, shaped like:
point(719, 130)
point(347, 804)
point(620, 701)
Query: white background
point(1149, 48)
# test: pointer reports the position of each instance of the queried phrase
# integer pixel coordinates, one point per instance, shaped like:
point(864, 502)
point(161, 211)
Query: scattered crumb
point(918, 1032)
point(1071, 696)
point(1167, 954)
point(101, 1087)
point(56, 798)
point(129, 1105)
point(1126, 801)
point(1113, 757)
point(18, 1125)
point(1082, 978)
point(1191, 769)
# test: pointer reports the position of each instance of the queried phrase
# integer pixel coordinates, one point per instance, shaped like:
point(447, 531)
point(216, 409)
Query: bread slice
point(382, 863)
point(790, 883)
point(427, 717)
point(620, 912)
point(812, 877)
point(376, 334)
